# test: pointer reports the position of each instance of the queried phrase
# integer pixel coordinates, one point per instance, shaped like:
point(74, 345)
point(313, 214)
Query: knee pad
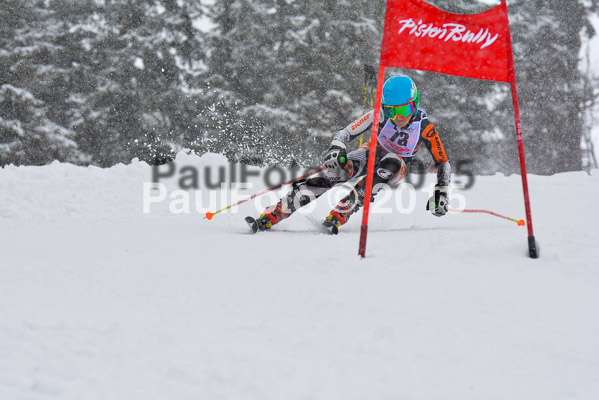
point(396, 165)
point(391, 162)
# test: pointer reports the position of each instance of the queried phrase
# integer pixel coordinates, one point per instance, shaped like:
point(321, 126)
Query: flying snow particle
point(139, 63)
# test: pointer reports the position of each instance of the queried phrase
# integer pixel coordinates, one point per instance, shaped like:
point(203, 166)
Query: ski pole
point(369, 79)
point(364, 103)
point(209, 215)
point(519, 222)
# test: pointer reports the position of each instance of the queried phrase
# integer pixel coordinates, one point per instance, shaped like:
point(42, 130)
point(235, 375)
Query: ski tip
point(328, 228)
point(209, 216)
point(252, 224)
point(521, 222)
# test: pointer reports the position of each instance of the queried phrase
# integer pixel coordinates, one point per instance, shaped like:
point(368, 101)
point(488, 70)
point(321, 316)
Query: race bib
point(401, 141)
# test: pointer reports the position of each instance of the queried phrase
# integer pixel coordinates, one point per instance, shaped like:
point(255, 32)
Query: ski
point(328, 228)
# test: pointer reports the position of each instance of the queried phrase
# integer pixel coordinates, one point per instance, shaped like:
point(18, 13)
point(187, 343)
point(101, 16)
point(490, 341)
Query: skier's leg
point(388, 165)
point(346, 207)
point(358, 160)
point(301, 194)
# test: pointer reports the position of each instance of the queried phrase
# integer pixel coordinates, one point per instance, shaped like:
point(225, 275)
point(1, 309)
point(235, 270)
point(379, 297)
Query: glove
point(336, 157)
point(438, 203)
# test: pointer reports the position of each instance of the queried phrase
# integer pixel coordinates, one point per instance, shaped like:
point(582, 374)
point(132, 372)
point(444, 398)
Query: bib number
point(402, 136)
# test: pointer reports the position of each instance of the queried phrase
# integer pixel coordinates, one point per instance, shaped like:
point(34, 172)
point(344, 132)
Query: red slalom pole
point(209, 215)
point(532, 245)
point(370, 169)
point(520, 222)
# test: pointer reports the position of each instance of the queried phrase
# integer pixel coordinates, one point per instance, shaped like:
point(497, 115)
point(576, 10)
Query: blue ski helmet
point(400, 90)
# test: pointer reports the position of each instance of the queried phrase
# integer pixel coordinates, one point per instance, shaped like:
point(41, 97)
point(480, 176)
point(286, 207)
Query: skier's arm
point(438, 204)
point(336, 157)
point(433, 143)
point(356, 128)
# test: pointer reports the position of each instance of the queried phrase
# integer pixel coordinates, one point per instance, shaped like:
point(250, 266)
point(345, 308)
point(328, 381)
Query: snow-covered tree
point(547, 36)
point(31, 131)
point(138, 57)
point(293, 70)
point(273, 81)
point(27, 135)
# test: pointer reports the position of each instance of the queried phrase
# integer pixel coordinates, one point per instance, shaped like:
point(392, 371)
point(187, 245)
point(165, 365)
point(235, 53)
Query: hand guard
point(336, 157)
point(438, 203)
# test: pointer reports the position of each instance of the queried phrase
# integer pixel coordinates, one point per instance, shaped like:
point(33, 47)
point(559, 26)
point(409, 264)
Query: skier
point(403, 128)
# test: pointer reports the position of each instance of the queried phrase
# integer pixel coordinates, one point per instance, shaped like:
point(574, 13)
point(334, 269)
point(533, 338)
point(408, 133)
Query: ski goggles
point(405, 111)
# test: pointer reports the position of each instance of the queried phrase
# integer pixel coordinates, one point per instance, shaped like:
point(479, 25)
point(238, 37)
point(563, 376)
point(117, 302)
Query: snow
point(139, 63)
point(100, 300)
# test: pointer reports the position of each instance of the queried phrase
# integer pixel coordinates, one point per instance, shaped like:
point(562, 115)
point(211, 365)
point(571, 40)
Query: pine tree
point(548, 41)
point(27, 135)
point(135, 60)
point(32, 132)
point(292, 71)
point(271, 84)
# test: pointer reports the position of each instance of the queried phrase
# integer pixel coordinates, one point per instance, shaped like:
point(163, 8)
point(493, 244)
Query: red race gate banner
point(420, 36)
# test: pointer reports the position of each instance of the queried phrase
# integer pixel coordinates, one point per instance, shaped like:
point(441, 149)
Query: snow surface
point(99, 300)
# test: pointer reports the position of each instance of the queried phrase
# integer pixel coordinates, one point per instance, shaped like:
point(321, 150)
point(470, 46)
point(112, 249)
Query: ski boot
point(271, 216)
point(301, 194)
point(340, 214)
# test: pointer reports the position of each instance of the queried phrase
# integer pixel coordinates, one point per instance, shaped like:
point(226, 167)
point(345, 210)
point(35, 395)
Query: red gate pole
point(532, 246)
point(371, 157)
